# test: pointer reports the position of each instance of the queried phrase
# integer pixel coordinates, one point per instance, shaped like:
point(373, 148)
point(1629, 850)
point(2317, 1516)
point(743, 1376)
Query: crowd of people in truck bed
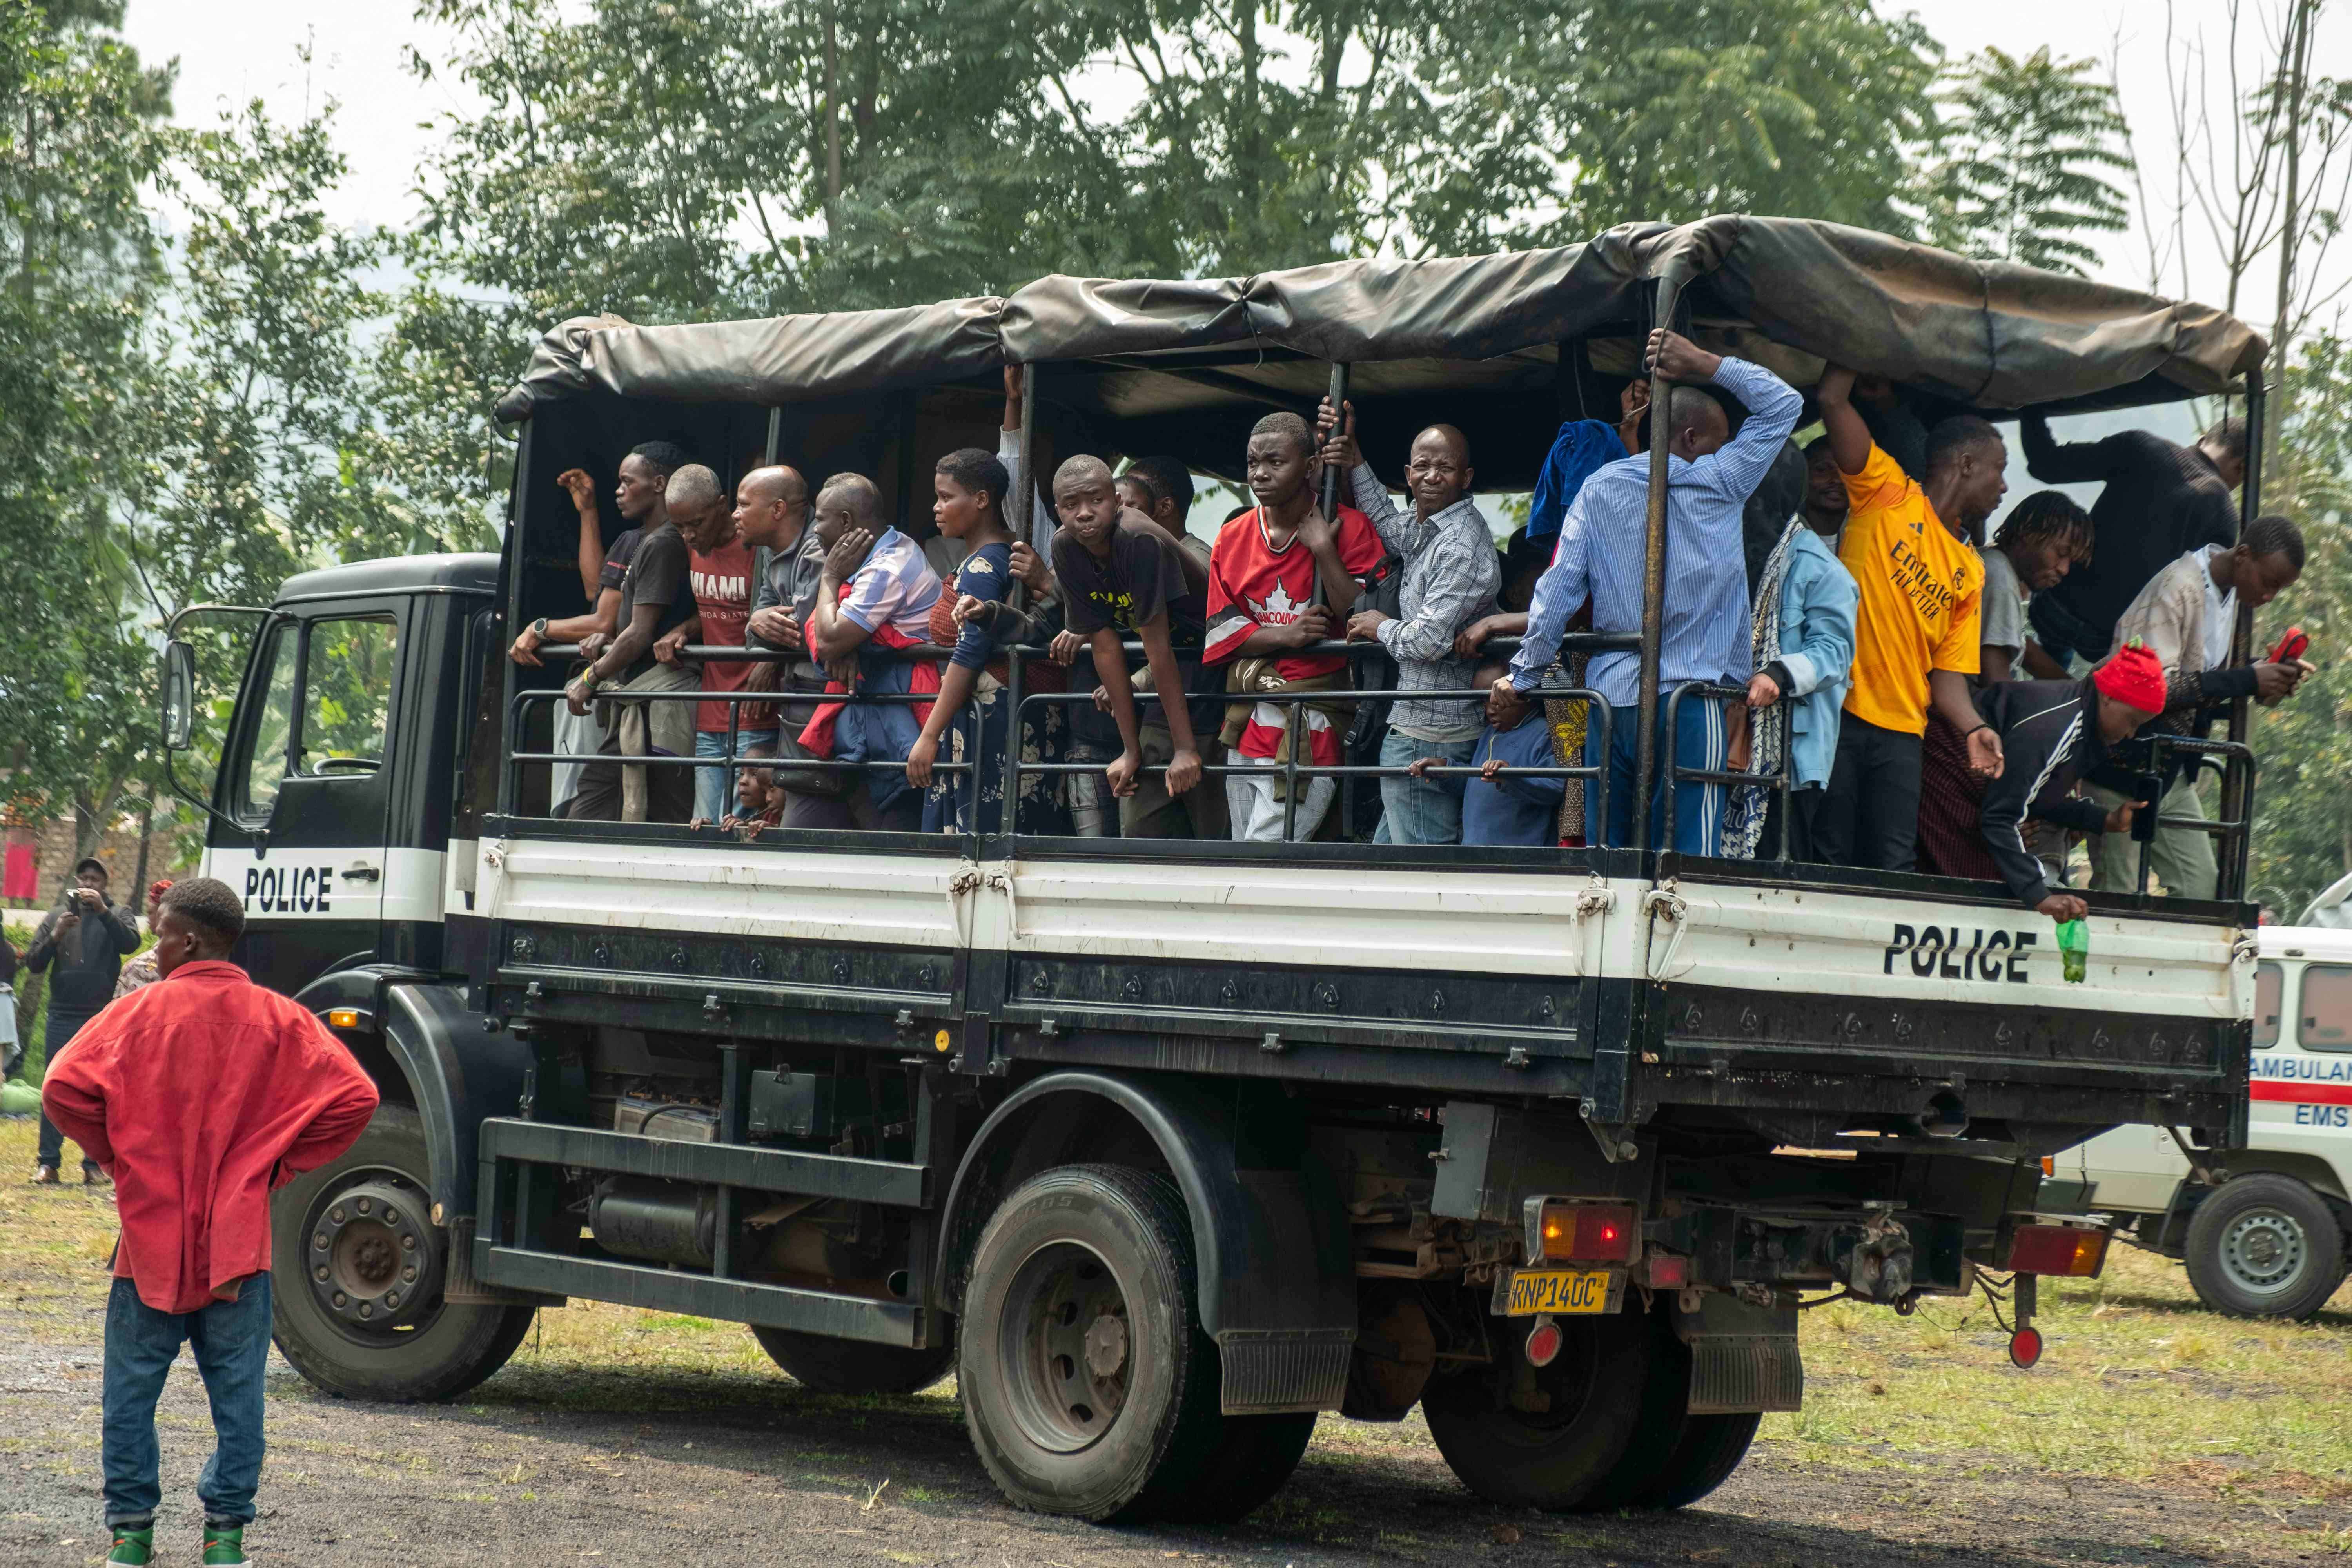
point(1940, 701)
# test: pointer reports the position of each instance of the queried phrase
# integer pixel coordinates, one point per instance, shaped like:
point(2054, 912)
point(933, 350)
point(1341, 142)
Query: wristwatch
point(538, 628)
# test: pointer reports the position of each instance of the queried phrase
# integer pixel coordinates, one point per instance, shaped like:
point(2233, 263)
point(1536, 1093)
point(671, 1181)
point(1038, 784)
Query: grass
point(2138, 1385)
point(2138, 1382)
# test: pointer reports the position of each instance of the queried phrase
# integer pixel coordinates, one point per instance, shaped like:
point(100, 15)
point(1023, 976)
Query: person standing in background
point(81, 944)
point(141, 971)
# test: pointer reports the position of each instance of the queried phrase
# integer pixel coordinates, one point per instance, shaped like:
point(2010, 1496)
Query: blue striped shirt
point(1706, 623)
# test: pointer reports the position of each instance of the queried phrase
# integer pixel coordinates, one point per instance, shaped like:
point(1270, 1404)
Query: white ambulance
point(2262, 1230)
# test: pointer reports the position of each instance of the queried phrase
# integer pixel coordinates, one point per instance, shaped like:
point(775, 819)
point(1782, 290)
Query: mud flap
point(1743, 1358)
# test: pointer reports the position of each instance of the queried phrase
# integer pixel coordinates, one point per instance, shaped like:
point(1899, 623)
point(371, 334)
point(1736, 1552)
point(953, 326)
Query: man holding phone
point(2186, 616)
point(82, 944)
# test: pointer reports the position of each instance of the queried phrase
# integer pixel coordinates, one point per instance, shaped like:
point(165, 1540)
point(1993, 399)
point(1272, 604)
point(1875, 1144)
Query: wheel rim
point(372, 1263)
point(2264, 1253)
point(1068, 1346)
point(1563, 1385)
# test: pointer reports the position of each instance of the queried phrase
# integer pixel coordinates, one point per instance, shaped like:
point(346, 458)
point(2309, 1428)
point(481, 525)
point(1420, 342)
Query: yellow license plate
point(1535, 1290)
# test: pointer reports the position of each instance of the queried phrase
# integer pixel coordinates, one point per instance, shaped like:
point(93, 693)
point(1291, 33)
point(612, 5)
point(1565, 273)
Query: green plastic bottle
point(2074, 949)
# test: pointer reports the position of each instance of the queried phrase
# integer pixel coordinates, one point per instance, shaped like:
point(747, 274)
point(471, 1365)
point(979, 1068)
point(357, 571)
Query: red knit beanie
point(2133, 677)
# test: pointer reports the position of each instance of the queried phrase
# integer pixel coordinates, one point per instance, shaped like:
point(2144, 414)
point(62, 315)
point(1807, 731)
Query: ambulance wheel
point(849, 1366)
point(358, 1269)
point(2264, 1245)
point(1548, 1436)
point(1089, 1386)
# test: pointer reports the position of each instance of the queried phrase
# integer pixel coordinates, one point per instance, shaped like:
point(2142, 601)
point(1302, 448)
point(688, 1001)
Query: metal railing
point(1293, 771)
point(1677, 774)
point(2235, 760)
point(2236, 832)
point(732, 759)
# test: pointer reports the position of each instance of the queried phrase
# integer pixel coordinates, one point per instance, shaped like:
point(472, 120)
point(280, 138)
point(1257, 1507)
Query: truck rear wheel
point(1088, 1384)
point(850, 1366)
point(2264, 1245)
point(1674, 1457)
point(360, 1270)
point(1546, 1437)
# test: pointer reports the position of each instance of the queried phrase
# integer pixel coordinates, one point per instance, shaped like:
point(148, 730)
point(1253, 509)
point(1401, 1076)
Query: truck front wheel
point(359, 1268)
point(2264, 1245)
point(1088, 1384)
point(1546, 1437)
point(851, 1367)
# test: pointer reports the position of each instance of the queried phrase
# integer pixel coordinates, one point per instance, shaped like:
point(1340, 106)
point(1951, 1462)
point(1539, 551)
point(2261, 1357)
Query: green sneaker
point(224, 1545)
point(133, 1543)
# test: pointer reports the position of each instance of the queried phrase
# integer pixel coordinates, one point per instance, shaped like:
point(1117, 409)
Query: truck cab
point(2263, 1228)
point(337, 809)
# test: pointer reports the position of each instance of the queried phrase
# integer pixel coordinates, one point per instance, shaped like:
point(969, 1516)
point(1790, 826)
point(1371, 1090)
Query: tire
point(431, 1349)
point(1552, 1459)
point(1712, 1447)
point(2264, 1245)
point(1089, 1387)
point(851, 1367)
point(1251, 1463)
point(1673, 1458)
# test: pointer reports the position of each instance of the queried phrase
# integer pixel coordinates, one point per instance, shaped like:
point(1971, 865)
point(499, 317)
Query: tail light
point(2061, 1251)
point(1583, 1232)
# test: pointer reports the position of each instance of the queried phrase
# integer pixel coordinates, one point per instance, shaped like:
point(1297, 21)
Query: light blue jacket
point(1817, 606)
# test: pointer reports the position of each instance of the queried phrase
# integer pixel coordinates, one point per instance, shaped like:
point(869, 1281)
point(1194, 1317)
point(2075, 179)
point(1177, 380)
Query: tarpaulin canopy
point(1988, 335)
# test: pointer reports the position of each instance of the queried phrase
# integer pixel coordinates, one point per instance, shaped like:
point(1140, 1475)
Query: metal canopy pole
point(1654, 580)
point(1024, 488)
point(2234, 781)
point(1330, 475)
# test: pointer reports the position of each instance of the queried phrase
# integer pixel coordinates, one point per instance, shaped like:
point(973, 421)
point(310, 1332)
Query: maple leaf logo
point(1277, 609)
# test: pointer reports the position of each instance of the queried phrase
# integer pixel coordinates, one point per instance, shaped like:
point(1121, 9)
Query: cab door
point(301, 831)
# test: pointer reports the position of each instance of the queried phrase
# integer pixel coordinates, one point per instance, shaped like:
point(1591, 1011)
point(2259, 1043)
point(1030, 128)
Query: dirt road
point(620, 1438)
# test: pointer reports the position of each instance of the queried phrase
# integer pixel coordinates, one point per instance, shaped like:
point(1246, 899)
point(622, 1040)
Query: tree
point(2303, 839)
point(79, 266)
point(2022, 156)
point(689, 159)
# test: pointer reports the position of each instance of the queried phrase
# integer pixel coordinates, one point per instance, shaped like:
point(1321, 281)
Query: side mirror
point(179, 695)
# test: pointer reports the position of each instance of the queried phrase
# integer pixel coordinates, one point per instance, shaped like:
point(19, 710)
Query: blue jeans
point(714, 790)
point(1698, 807)
point(231, 1340)
point(1421, 811)
point(61, 1028)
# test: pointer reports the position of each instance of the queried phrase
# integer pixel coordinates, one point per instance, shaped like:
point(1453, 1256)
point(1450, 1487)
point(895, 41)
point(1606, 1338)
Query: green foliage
point(2021, 158)
point(693, 159)
point(2303, 839)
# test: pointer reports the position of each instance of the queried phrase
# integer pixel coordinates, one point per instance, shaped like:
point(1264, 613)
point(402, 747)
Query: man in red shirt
point(719, 564)
point(1282, 578)
point(200, 1095)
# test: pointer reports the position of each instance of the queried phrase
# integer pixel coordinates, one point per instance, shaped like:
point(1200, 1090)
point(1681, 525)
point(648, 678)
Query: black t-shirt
point(622, 550)
point(1143, 576)
point(657, 576)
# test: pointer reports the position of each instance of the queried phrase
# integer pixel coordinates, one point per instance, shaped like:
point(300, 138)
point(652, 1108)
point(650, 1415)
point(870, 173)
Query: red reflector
point(2025, 1347)
point(1543, 1342)
point(1597, 1233)
point(1665, 1272)
point(2059, 1250)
